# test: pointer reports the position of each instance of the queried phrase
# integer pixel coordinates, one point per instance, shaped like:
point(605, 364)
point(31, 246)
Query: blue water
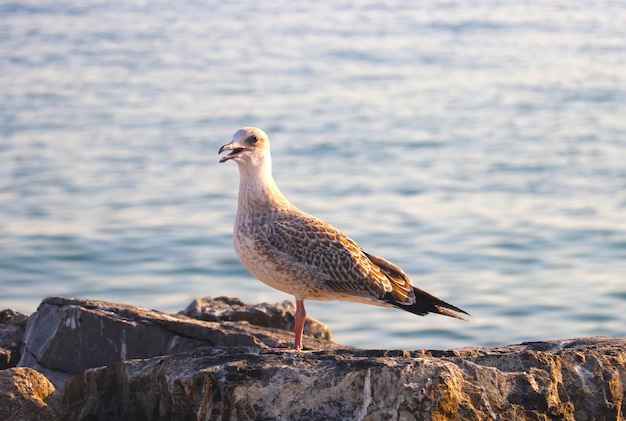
point(479, 145)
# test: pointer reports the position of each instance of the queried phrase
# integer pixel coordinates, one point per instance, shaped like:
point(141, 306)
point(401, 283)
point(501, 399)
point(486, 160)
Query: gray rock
point(12, 327)
point(118, 362)
point(230, 309)
point(570, 380)
point(26, 394)
point(66, 336)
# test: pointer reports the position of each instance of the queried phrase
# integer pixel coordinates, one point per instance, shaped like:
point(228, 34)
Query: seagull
point(304, 256)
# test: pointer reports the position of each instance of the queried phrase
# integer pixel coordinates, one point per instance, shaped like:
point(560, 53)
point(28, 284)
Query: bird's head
point(249, 146)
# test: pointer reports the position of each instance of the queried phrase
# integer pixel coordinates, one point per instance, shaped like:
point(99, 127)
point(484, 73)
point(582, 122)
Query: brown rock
point(230, 309)
point(570, 380)
point(12, 327)
point(26, 395)
point(155, 366)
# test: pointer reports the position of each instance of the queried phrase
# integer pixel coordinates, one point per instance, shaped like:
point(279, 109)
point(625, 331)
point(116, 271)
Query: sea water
point(481, 146)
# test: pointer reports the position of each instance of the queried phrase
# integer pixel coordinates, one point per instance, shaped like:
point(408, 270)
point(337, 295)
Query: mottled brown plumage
point(301, 255)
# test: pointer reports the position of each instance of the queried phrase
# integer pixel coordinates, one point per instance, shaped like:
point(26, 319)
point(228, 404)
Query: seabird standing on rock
point(301, 255)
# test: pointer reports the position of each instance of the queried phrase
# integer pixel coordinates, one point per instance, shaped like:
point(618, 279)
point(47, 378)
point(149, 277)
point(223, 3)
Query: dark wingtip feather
point(426, 303)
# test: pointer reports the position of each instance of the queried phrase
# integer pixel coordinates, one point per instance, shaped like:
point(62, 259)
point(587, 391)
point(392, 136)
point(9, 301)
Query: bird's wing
point(337, 262)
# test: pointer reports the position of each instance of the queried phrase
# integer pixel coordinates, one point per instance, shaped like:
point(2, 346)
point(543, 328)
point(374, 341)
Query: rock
point(12, 327)
point(116, 362)
point(280, 316)
point(27, 395)
point(571, 380)
point(67, 336)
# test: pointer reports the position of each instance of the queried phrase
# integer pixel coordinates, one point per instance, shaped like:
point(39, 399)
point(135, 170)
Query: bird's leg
point(300, 317)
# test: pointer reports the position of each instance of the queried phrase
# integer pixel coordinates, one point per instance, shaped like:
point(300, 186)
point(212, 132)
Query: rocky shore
point(91, 360)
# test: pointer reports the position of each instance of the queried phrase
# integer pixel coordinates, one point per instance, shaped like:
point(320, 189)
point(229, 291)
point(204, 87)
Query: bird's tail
point(426, 303)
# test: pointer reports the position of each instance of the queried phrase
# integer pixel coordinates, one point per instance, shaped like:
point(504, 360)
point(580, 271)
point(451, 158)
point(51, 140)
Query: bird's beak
point(235, 147)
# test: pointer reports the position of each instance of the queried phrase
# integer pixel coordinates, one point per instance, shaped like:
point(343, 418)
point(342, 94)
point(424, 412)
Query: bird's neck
point(258, 190)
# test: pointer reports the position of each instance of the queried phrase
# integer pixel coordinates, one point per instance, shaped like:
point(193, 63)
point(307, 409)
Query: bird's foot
point(275, 350)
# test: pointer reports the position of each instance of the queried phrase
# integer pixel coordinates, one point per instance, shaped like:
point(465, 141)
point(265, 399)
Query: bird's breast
point(274, 269)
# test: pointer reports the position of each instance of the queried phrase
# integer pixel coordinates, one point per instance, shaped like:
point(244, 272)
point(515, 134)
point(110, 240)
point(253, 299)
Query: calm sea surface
point(479, 145)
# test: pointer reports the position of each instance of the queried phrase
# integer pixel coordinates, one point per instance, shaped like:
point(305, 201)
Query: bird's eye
point(253, 139)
